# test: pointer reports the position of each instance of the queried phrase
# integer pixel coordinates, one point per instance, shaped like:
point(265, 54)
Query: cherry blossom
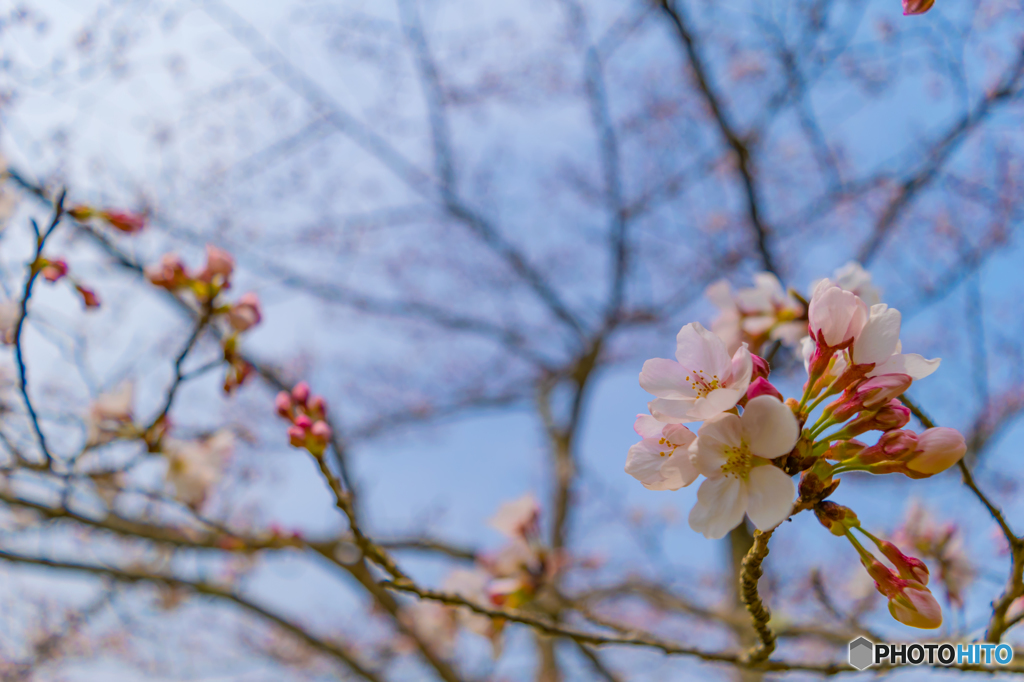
point(704, 382)
point(661, 461)
point(110, 415)
point(835, 316)
point(764, 312)
point(735, 453)
point(878, 344)
point(518, 518)
point(195, 466)
point(855, 279)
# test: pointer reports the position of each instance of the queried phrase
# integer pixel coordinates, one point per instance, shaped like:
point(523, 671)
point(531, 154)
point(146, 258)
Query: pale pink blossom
point(703, 380)
point(735, 454)
point(764, 312)
point(245, 314)
point(195, 466)
point(855, 279)
point(518, 518)
point(110, 415)
point(878, 343)
point(661, 461)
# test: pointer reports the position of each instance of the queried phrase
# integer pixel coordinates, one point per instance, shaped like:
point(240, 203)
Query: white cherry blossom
point(195, 466)
point(855, 279)
point(879, 343)
point(517, 518)
point(704, 382)
point(661, 461)
point(734, 454)
point(766, 310)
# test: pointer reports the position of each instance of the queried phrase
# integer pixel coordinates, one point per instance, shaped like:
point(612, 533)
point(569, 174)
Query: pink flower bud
point(297, 436)
point(283, 404)
point(761, 368)
point(916, 607)
point(317, 406)
point(890, 446)
point(869, 395)
point(762, 386)
point(303, 422)
point(169, 273)
point(908, 567)
point(301, 392)
point(321, 431)
point(937, 450)
point(916, 6)
point(892, 416)
point(219, 264)
point(89, 297)
point(124, 221)
point(246, 313)
point(54, 270)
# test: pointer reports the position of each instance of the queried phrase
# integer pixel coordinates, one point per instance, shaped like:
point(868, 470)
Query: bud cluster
point(307, 413)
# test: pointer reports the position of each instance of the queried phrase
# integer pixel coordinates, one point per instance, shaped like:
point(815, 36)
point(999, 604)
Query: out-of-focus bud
point(126, 222)
point(937, 450)
point(297, 436)
point(301, 392)
point(317, 407)
point(320, 434)
point(761, 368)
point(81, 212)
point(283, 404)
point(869, 395)
point(219, 265)
point(303, 422)
point(762, 386)
point(169, 273)
point(837, 518)
point(53, 270)
point(908, 567)
point(89, 297)
point(916, 6)
point(246, 313)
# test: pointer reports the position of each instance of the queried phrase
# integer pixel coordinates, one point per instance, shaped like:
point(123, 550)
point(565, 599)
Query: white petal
point(769, 427)
point(647, 426)
point(721, 503)
point(758, 324)
point(791, 334)
point(770, 496)
point(878, 339)
point(678, 471)
point(670, 411)
point(911, 364)
point(714, 438)
point(699, 349)
point(741, 369)
point(714, 404)
point(678, 435)
point(720, 294)
point(666, 379)
point(644, 462)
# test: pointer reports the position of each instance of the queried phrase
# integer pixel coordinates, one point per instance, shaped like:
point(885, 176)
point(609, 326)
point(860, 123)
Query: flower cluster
point(513, 577)
point(307, 413)
point(206, 286)
point(753, 442)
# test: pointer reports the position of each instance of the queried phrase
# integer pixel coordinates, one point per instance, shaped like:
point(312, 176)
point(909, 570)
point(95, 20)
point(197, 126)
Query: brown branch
point(1005, 91)
point(750, 574)
point(739, 145)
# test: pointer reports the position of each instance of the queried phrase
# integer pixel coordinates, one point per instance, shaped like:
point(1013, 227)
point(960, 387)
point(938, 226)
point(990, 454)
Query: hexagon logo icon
point(862, 653)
